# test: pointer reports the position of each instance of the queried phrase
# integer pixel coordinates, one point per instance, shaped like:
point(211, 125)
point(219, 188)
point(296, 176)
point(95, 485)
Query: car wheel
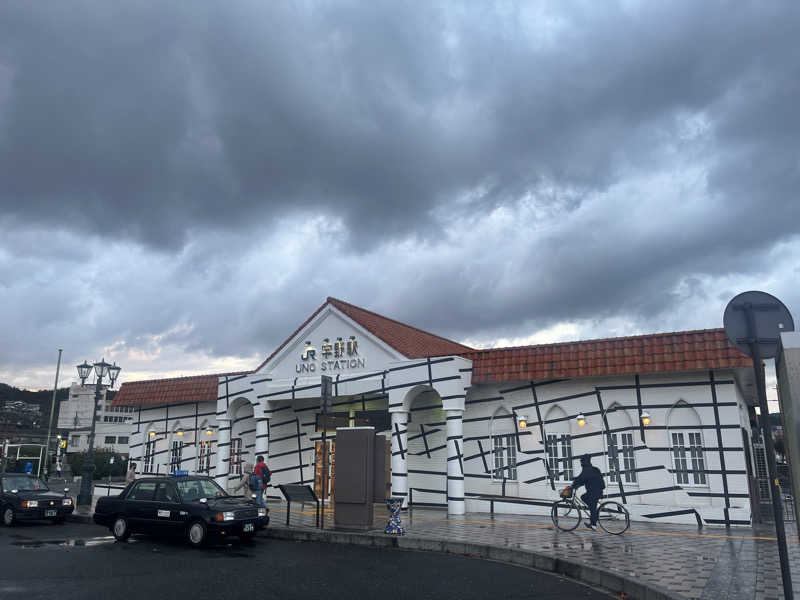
point(120, 529)
point(196, 534)
point(8, 516)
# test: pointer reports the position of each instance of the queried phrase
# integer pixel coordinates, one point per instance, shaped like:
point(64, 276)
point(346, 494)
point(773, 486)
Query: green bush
point(102, 466)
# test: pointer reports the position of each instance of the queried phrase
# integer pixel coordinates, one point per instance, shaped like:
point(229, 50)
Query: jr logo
point(309, 352)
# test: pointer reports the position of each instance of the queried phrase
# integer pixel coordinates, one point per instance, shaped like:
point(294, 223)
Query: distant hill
point(40, 399)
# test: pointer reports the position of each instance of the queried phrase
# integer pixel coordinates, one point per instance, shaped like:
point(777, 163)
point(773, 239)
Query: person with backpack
point(261, 478)
point(592, 478)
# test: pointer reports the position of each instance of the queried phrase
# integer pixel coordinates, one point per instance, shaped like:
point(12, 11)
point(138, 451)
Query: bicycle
point(567, 514)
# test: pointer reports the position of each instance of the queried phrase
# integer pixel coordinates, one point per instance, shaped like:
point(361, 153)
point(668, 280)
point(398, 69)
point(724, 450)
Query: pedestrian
point(592, 479)
point(243, 483)
point(263, 472)
point(58, 469)
point(131, 474)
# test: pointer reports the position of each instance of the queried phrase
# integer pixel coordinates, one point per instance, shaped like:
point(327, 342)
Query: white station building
point(667, 417)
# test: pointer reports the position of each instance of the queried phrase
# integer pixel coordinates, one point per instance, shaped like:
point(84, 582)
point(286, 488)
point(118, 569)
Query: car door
point(169, 517)
point(140, 505)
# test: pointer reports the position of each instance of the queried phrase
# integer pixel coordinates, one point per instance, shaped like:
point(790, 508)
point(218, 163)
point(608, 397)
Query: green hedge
point(102, 465)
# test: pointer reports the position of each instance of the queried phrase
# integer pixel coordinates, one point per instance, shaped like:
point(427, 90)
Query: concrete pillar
point(262, 437)
point(223, 451)
point(400, 456)
point(455, 460)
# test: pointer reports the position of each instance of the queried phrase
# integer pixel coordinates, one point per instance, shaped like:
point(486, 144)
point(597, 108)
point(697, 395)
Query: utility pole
point(52, 410)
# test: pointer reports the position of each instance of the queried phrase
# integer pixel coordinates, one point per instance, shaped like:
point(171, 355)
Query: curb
point(610, 581)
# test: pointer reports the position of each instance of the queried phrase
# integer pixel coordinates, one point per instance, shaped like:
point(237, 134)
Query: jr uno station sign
point(339, 355)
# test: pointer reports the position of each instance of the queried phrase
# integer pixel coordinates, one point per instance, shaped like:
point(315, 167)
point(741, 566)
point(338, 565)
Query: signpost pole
point(326, 384)
point(52, 411)
point(324, 478)
point(769, 449)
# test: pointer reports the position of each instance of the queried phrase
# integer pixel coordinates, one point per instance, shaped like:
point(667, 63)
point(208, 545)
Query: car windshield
point(192, 490)
point(23, 482)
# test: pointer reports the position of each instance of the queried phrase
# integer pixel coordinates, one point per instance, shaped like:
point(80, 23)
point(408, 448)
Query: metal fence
point(763, 486)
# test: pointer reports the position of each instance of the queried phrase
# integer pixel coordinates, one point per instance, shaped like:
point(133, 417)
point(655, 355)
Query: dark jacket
point(592, 478)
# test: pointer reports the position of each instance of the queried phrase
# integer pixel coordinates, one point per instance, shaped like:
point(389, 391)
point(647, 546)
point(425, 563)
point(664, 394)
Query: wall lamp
point(645, 418)
point(522, 421)
point(581, 420)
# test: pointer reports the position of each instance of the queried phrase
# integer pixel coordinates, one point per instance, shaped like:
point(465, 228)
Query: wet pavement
point(76, 561)
point(713, 563)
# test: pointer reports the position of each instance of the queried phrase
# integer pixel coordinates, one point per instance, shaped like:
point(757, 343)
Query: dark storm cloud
point(480, 170)
point(149, 120)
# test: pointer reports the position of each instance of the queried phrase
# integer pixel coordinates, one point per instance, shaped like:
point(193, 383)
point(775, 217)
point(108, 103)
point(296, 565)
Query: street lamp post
point(101, 370)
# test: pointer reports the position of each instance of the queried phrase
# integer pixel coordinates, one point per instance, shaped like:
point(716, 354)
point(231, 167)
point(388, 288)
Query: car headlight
point(30, 504)
point(224, 516)
point(262, 512)
point(66, 502)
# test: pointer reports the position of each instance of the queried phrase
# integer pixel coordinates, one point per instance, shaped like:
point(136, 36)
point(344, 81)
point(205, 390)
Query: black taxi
point(25, 497)
point(194, 507)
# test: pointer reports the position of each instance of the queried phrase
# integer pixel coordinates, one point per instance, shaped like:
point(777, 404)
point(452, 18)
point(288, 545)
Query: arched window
point(558, 444)
point(176, 448)
point(205, 451)
point(686, 444)
point(149, 451)
point(504, 446)
point(619, 442)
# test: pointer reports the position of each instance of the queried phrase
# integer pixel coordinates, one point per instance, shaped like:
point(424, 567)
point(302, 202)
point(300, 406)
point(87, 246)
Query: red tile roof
point(407, 340)
point(156, 392)
point(653, 353)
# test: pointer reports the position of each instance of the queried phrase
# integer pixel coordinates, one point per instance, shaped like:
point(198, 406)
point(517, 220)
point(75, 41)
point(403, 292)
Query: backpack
point(265, 475)
point(602, 481)
point(254, 482)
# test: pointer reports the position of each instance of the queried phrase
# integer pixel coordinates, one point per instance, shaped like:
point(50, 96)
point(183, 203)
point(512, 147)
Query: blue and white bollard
point(394, 527)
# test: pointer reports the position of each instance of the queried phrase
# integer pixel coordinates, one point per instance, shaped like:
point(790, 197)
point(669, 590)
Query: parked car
point(25, 497)
point(194, 507)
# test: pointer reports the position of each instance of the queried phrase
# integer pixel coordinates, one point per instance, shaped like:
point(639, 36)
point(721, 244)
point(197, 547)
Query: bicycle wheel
point(565, 514)
point(613, 518)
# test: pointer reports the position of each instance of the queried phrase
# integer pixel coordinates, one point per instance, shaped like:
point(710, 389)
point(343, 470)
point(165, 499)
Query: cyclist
point(592, 478)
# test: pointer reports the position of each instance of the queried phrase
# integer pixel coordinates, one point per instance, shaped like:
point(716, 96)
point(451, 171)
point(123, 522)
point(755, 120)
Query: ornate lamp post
point(101, 369)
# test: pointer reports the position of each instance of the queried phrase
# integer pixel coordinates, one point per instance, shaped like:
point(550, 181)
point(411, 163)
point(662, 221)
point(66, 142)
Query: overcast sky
point(182, 185)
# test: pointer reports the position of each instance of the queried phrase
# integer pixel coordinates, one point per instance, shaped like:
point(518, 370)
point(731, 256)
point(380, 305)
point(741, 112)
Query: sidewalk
point(673, 561)
point(735, 564)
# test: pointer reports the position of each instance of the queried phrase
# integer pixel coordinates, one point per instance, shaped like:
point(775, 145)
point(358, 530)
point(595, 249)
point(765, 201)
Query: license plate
point(248, 527)
point(50, 513)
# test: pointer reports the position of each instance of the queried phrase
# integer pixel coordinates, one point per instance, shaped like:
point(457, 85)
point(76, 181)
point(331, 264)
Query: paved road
point(80, 561)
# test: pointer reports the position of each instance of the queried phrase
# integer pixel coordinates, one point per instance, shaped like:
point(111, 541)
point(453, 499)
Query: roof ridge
point(291, 337)
point(333, 300)
point(184, 377)
point(598, 340)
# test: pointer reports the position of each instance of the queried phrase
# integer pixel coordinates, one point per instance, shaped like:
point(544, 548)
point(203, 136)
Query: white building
point(112, 426)
point(665, 416)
